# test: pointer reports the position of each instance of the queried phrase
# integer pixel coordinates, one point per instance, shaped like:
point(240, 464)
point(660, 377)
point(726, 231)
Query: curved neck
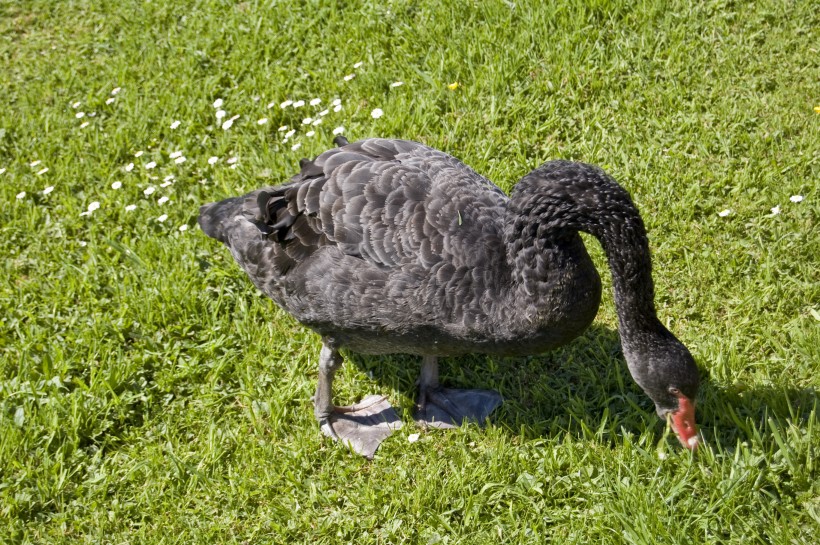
point(561, 198)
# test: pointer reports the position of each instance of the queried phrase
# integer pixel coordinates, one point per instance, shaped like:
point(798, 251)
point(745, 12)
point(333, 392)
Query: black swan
point(389, 246)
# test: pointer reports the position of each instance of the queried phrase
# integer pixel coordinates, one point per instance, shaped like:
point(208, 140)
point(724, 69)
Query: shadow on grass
point(584, 389)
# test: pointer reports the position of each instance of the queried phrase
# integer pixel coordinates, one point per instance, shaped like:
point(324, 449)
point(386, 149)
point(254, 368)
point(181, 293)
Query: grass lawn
point(149, 394)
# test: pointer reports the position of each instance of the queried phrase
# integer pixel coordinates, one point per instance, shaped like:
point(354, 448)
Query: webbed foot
point(362, 426)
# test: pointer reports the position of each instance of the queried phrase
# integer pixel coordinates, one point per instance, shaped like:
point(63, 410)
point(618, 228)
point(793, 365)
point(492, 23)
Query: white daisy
point(724, 213)
point(130, 207)
point(148, 190)
point(175, 124)
point(324, 112)
point(116, 185)
point(413, 437)
point(317, 121)
point(796, 198)
point(138, 154)
point(227, 124)
point(285, 104)
point(315, 101)
point(82, 242)
point(310, 133)
point(218, 103)
point(338, 130)
point(34, 163)
point(296, 146)
point(2, 170)
point(44, 170)
point(349, 77)
point(180, 160)
point(776, 210)
point(271, 105)
point(168, 178)
point(377, 113)
point(110, 100)
point(48, 190)
point(183, 227)
point(336, 102)
point(290, 133)
point(149, 166)
point(175, 154)
point(79, 115)
point(397, 84)
point(358, 64)
point(84, 124)
point(212, 160)
point(162, 200)
point(129, 167)
point(76, 105)
point(307, 121)
point(115, 90)
point(337, 108)
point(298, 103)
point(21, 195)
point(232, 160)
point(220, 114)
point(162, 218)
point(262, 121)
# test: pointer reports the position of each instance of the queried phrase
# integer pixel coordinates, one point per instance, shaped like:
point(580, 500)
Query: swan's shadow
point(584, 389)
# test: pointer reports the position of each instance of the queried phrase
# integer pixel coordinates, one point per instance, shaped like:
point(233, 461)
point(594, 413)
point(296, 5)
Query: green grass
point(148, 394)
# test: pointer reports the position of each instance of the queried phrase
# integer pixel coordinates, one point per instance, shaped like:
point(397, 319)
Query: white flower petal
point(175, 154)
point(776, 210)
point(413, 437)
point(283, 128)
point(84, 124)
point(149, 166)
point(220, 114)
point(285, 104)
point(262, 121)
point(21, 195)
point(180, 160)
point(162, 200)
point(34, 163)
point(315, 101)
point(93, 206)
point(218, 103)
point(79, 115)
point(115, 90)
point(48, 190)
point(212, 160)
point(337, 108)
point(130, 207)
point(290, 133)
point(129, 167)
point(162, 218)
point(175, 124)
point(310, 133)
point(296, 146)
point(324, 112)
point(271, 105)
point(397, 84)
point(298, 103)
point(358, 64)
point(232, 160)
point(377, 113)
point(307, 121)
point(349, 77)
point(138, 154)
point(724, 213)
point(148, 190)
point(336, 102)
point(796, 198)
point(76, 105)
point(227, 124)
point(338, 130)
point(183, 227)
point(110, 100)
point(116, 185)
point(2, 170)
point(44, 170)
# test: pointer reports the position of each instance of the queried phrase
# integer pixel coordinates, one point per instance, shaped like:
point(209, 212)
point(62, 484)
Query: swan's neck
point(554, 202)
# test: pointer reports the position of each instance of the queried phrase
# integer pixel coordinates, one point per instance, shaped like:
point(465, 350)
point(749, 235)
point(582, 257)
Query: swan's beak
point(683, 423)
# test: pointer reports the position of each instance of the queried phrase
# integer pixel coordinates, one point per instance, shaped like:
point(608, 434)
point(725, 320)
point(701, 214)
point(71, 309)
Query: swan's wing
point(392, 203)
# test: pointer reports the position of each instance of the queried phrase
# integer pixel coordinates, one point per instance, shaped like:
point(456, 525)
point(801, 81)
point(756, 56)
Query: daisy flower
point(724, 213)
point(115, 90)
point(34, 163)
point(315, 101)
point(218, 103)
point(162, 200)
point(48, 190)
point(220, 114)
point(162, 218)
point(296, 146)
point(44, 170)
point(298, 103)
point(138, 154)
point(21, 195)
point(129, 167)
point(175, 124)
point(149, 190)
point(116, 185)
point(349, 77)
point(796, 198)
point(338, 130)
point(262, 121)
point(180, 160)
point(130, 207)
point(149, 166)
point(79, 115)
point(358, 64)
point(377, 113)
point(285, 104)
point(110, 100)
point(397, 84)
point(776, 210)
point(232, 160)
point(212, 160)
point(175, 154)
point(183, 227)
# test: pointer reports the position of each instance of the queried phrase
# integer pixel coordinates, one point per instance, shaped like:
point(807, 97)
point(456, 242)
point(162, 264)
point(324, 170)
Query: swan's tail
point(215, 217)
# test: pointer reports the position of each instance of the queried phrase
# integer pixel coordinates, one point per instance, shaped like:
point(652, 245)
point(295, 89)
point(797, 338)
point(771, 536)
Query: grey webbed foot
point(362, 426)
point(444, 408)
point(441, 408)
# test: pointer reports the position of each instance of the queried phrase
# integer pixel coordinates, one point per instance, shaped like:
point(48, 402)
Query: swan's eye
point(674, 391)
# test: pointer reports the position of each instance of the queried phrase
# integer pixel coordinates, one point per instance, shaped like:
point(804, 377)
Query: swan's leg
point(364, 425)
point(439, 407)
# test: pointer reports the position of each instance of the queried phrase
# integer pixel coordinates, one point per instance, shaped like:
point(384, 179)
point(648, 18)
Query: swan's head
point(666, 371)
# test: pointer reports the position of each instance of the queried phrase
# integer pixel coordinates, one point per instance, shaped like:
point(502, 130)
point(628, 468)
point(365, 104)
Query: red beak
point(683, 423)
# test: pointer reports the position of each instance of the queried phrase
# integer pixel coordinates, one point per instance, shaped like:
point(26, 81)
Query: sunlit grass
point(149, 394)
